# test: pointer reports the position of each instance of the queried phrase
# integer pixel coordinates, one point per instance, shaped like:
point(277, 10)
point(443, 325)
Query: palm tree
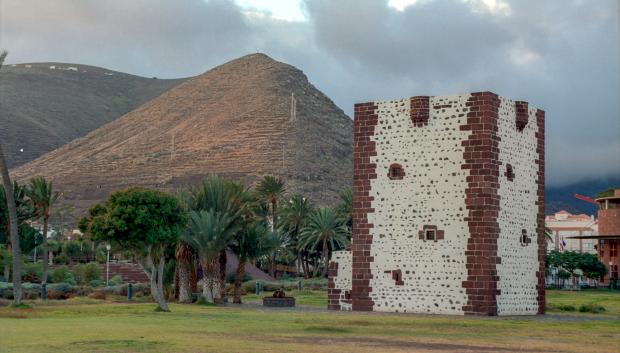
point(10, 201)
point(43, 197)
point(345, 207)
point(249, 245)
point(270, 189)
point(326, 229)
point(184, 255)
point(293, 216)
point(548, 235)
point(277, 245)
point(210, 232)
point(221, 199)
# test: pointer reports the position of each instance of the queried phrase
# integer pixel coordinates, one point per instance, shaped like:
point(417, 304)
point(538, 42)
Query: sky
point(562, 56)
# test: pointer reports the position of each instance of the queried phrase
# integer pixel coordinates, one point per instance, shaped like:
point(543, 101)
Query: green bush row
point(311, 283)
point(66, 290)
point(81, 274)
point(584, 308)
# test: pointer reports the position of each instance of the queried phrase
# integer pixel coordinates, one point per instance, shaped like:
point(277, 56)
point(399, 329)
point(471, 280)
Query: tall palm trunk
point(10, 201)
point(223, 258)
point(306, 265)
point(325, 257)
point(45, 249)
point(274, 210)
point(211, 279)
point(185, 291)
point(272, 270)
point(193, 276)
point(238, 280)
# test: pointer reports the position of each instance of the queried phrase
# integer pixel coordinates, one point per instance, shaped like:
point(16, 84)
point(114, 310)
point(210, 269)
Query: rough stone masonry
point(448, 208)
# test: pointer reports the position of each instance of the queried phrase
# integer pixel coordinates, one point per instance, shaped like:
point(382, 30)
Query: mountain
point(247, 118)
point(46, 105)
point(562, 198)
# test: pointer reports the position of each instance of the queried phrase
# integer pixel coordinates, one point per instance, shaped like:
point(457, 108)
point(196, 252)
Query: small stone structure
point(279, 300)
point(448, 208)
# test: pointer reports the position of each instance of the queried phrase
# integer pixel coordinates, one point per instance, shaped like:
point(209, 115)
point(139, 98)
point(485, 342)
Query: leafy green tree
point(12, 210)
point(42, 195)
point(569, 262)
point(326, 229)
point(249, 245)
point(5, 259)
point(293, 217)
point(25, 212)
point(591, 266)
point(143, 221)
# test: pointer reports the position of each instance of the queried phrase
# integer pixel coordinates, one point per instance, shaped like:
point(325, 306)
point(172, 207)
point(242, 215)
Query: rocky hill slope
point(46, 105)
point(244, 119)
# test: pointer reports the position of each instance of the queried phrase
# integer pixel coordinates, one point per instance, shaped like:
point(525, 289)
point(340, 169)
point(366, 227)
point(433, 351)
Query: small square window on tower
point(430, 234)
point(396, 172)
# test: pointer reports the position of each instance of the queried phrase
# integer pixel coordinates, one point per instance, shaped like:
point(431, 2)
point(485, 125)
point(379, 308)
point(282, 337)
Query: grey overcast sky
point(562, 56)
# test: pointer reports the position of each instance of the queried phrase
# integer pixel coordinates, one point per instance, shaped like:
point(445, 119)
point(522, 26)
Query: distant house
point(565, 226)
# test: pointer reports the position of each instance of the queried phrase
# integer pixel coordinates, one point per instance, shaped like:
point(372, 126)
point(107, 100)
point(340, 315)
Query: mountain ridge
point(45, 105)
point(246, 118)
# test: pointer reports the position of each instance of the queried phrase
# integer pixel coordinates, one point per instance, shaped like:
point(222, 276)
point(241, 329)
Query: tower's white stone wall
point(447, 195)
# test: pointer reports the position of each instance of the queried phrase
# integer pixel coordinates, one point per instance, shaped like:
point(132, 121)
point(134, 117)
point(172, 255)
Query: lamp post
point(107, 271)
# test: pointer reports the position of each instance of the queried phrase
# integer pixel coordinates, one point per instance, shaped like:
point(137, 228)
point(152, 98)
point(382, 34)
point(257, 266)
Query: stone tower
point(448, 208)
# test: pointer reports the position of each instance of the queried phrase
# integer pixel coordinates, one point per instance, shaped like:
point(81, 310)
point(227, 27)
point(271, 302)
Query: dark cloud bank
point(562, 56)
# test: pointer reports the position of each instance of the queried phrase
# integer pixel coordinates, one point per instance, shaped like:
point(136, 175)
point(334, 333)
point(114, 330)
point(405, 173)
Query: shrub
point(6, 290)
point(230, 278)
point(96, 283)
point(591, 308)
point(114, 281)
point(61, 259)
point(98, 295)
point(59, 291)
point(29, 290)
point(203, 301)
point(63, 274)
point(86, 273)
point(566, 307)
point(72, 250)
point(32, 272)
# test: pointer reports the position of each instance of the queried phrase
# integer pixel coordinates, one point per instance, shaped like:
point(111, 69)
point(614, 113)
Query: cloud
point(559, 55)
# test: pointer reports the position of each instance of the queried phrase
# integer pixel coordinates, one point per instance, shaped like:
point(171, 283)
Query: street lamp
point(107, 271)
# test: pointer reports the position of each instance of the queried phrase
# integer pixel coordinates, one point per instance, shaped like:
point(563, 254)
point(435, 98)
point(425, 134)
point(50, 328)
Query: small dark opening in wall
point(396, 172)
point(510, 175)
point(522, 115)
point(397, 276)
point(347, 295)
point(525, 240)
point(430, 234)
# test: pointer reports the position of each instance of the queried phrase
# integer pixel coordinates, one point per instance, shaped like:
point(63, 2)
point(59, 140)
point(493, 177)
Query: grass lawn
point(86, 325)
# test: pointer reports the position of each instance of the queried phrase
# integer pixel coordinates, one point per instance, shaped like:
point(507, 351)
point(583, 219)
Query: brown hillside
point(46, 105)
point(234, 120)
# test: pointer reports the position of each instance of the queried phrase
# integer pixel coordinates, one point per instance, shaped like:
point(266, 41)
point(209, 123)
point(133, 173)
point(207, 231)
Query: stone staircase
point(130, 273)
